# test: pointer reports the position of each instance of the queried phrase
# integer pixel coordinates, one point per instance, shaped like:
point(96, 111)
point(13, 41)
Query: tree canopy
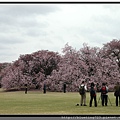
point(92, 64)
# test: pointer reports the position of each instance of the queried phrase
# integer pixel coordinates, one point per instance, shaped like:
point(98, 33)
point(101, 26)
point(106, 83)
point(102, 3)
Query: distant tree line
point(92, 64)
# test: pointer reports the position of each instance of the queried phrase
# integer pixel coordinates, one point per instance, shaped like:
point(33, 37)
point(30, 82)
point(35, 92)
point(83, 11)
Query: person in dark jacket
point(25, 88)
point(93, 94)
point(64, 87)
point(117, 93)
point(104, 95)
point(44, 89)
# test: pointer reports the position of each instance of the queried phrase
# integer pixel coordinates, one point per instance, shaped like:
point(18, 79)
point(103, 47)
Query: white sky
point(27, 28)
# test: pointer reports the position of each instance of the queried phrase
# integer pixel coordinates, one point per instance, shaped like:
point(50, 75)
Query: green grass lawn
point(52, 103)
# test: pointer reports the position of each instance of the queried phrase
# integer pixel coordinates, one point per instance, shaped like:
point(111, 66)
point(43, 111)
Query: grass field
point(52, 103)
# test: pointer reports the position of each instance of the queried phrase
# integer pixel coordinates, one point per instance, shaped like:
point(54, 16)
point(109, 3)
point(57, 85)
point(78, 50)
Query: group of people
point(93, 94)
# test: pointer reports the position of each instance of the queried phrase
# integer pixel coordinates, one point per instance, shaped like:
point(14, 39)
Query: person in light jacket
point(83, 96)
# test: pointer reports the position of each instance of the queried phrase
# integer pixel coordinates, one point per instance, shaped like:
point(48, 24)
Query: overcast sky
point(27, 28)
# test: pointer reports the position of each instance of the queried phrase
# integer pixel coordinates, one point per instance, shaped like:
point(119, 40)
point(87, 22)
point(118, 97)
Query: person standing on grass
point(25, 88)
point(104, 92)
point(93, 94)
point(117, 94)
point(82, 92)
point(64, 87)
point(44, 89)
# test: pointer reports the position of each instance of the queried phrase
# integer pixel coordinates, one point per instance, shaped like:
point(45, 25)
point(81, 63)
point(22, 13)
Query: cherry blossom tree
point(100, 68)
point(3, 66)
point(87, 64)
point(92, 64)
point(31, 69)
point(112, 50)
